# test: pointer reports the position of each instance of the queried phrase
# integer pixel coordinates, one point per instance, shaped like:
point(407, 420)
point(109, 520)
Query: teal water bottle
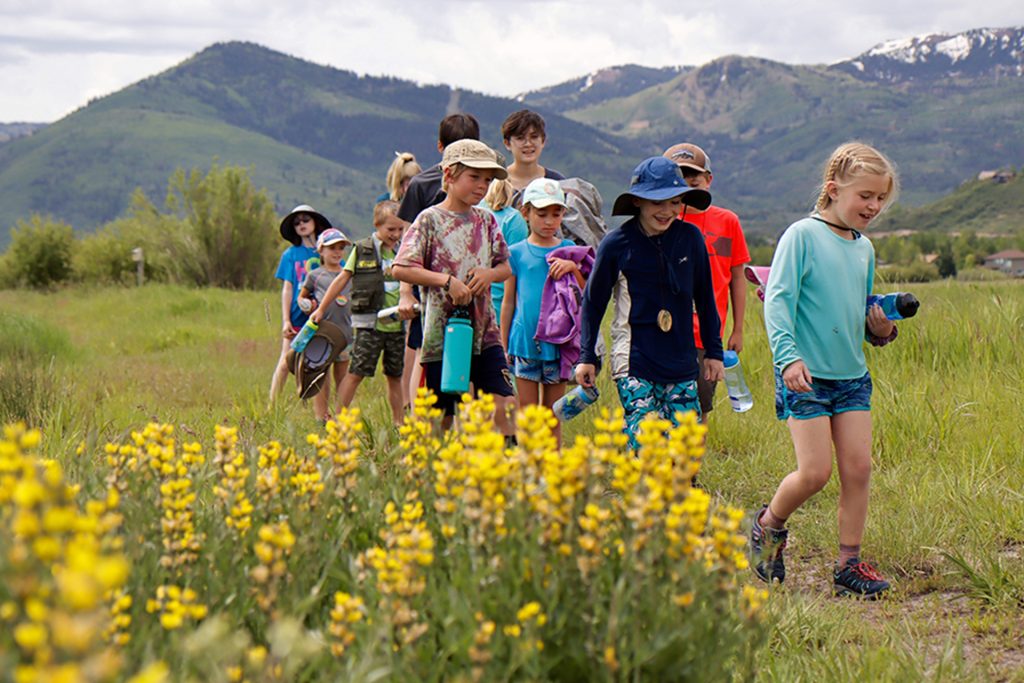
point(896, 306)
point(739, 393)
point(458, 352)
point(303, 337)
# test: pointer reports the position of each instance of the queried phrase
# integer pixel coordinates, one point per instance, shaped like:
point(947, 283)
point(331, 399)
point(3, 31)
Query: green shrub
point(979, 274)
point(918, 271)
point(39, 255)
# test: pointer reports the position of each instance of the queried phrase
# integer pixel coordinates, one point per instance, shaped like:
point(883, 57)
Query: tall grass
point(946, 521)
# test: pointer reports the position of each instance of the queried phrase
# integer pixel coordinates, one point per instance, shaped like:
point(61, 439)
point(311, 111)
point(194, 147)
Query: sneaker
point(766, 546)
point(858, 579)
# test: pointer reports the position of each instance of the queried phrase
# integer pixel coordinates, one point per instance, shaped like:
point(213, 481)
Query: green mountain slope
point(982, 206)
point(309, 133)
point(769, 128)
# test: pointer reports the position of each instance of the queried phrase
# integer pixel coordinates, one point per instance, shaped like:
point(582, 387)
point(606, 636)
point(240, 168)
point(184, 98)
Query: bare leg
point(321, 400)
point(347, 391)
point(416, 375)
point(529, 392)
point(277, 380)
point(408, 390)
point(812, 441)
point(395, 399)
point(851, 432)
point(340, 372)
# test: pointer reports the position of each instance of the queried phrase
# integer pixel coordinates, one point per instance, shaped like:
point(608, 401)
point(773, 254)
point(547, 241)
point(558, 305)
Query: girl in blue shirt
point(821, 274)
point(301, 227)
point(535, 364)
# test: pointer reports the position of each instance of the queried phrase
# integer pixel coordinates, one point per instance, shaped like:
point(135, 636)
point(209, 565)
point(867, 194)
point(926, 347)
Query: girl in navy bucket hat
point(656, 266)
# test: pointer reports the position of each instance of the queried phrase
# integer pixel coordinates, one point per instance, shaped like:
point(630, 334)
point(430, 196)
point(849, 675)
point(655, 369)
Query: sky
point(56, 55)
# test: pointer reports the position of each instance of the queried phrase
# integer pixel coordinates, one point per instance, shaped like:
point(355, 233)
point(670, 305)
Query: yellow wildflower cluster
point(175, 606)
point(56, 569)
point(341, 448)
point(473, 476)
point(480, 652)
point(231, 490)
point(272, 549)
point(409, 547)
point(348, 610)
point(418, 440)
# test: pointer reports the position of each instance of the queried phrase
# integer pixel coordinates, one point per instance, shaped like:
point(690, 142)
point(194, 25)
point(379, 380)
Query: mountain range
point(943, 107)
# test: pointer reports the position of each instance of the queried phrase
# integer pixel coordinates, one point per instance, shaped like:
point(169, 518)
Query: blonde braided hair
point(853, 159)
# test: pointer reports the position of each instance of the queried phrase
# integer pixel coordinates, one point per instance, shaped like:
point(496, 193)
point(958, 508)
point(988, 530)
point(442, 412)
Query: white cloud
point(56, 54)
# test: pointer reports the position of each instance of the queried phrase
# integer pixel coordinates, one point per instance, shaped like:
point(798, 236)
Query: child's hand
point(316, 316)
point(561, 267)
point(407, 306)
point(878, 324)
point(459, 293)
point(479, 280)
point(306, 304)
point(714, 371)
point(797, 377)
point(287, 332)
point(586, 373)
point(735, 341)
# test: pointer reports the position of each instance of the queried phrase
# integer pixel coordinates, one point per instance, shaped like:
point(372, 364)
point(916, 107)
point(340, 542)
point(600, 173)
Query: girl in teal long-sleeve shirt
point(821, 274)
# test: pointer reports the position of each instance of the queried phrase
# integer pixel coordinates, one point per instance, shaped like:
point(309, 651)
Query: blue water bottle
point(896, 306)
point(303, 337)
point(739, 393)
point(574, 402)
point(458, 352)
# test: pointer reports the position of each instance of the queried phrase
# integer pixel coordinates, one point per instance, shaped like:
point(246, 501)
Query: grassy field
point(946, 522)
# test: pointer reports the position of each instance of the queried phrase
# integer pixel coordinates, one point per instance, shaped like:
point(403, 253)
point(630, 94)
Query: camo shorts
point(640, 397)
point(369, 346)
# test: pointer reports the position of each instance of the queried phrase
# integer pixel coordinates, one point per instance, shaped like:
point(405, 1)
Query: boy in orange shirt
point(727, 252)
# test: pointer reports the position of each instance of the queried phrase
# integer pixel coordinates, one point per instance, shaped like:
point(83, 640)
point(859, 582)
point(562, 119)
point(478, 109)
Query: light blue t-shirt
point(514, 229)
point(297, 262)
point(530, 268)
point(815, 300)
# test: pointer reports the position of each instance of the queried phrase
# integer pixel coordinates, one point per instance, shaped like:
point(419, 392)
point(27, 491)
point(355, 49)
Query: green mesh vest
point(368, 279)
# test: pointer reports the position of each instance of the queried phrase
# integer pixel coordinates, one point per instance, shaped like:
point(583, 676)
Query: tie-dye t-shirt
point(452, 243)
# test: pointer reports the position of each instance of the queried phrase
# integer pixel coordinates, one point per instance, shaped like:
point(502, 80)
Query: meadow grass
point(946, 522)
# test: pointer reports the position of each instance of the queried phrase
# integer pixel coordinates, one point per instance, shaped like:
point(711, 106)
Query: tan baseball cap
point(689, 156)
point(474, 154)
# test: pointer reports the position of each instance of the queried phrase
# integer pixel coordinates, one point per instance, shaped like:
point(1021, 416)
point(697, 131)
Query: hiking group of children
point(470, 232)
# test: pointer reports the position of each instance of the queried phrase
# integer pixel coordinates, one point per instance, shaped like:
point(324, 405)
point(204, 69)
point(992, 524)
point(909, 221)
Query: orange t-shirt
point(727, 248)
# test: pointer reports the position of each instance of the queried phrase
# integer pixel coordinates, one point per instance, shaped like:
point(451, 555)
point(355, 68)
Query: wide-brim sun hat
point(658, 179)
point(288, 225)
point(313, 364)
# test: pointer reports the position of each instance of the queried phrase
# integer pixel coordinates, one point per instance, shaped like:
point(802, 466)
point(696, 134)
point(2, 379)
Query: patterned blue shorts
point(539, 371)
point(640, 397)
point(827, 397)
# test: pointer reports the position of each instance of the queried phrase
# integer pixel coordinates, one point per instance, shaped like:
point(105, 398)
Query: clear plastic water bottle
point(739, 393)
point(575, 402)
point(303, 337)
point(896, 306)
point(458, 352)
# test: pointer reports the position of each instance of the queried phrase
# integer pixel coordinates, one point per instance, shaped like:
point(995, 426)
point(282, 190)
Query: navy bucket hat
point(658, 179)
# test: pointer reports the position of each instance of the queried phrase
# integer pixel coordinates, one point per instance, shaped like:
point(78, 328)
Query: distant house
point(998, 176)
point(1010, 262)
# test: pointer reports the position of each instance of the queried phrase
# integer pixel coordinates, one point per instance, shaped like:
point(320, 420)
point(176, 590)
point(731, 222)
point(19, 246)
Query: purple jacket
point(560, 305)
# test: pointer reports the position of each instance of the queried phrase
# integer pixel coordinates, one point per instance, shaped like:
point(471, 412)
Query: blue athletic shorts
point(640, 397)
point(828, 397)
point(539, 371)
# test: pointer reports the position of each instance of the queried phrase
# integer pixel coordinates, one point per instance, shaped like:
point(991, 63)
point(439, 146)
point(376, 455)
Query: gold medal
point(664, 320)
